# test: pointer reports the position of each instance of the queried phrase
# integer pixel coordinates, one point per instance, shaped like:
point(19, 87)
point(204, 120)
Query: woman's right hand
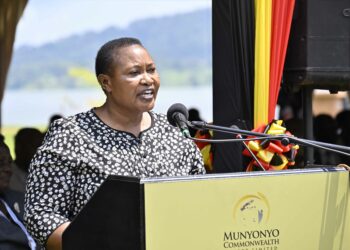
point(54, 242)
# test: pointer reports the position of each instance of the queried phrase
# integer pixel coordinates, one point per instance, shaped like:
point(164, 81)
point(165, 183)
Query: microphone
point(178, 116)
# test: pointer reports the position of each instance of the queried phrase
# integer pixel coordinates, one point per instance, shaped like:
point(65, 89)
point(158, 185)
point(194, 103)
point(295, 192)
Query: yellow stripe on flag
point(262, 61)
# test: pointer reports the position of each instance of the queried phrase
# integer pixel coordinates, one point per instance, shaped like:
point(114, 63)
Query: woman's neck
point(124, 120)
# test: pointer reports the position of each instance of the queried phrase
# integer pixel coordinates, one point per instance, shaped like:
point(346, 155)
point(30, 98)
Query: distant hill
point(180, 45)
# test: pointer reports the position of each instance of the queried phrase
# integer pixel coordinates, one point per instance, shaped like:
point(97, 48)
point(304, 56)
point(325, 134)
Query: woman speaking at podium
point(122, 137)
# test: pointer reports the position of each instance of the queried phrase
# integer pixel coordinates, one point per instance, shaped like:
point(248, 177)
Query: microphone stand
point(252, 154)
point(285, 139)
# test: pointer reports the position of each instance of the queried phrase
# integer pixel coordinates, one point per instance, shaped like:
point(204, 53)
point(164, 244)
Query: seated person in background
point(343, 124)
point(27, 141)
point(193, 115)
point(122, 137)
point(325, 130)
point(13, 234)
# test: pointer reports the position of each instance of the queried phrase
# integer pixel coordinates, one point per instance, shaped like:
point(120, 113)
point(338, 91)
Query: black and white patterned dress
point(80, 151)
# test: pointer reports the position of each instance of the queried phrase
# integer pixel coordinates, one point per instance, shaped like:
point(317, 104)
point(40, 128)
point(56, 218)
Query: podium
point(283, 210)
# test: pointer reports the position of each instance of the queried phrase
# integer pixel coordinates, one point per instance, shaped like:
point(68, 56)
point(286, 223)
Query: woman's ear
point(104, 81)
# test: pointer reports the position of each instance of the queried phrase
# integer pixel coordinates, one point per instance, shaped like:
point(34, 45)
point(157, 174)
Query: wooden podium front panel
point(112, 219)
point(302, 210)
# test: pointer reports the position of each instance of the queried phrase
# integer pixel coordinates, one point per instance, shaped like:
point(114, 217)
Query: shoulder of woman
point(162, 124)
point(69, 121)
point(64, 127)
point(161, 120)
point(59, 125)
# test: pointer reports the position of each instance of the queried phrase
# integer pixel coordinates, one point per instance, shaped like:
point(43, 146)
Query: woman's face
point(5, 168)
point(134, 83)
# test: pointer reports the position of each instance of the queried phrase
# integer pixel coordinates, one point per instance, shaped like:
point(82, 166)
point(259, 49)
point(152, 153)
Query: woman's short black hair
point(106, 55)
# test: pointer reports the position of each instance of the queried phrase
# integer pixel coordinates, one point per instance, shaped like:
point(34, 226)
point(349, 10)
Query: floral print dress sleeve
point(50, 184)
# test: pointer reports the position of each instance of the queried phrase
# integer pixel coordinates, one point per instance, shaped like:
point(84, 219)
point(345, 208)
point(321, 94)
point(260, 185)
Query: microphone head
point(176, 108)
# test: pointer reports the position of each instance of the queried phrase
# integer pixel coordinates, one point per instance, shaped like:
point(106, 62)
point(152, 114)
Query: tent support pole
point(308, 123)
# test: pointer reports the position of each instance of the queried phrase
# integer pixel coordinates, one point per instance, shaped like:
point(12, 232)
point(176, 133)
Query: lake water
point(33, 108)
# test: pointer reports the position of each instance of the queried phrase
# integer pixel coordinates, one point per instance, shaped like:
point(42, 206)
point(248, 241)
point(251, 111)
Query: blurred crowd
point(13, 177)
point(328, 129)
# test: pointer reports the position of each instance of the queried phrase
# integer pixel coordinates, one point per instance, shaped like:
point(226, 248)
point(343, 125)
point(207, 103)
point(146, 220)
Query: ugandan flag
point(250, 40)
point(273, 22)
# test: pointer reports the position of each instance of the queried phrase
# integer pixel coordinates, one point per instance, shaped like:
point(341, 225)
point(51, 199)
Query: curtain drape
point(233, 69)
point(10, 13)
point(282, 13)
point(250, 40)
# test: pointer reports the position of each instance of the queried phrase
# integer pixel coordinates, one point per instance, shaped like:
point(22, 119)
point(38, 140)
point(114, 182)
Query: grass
point(9, 133)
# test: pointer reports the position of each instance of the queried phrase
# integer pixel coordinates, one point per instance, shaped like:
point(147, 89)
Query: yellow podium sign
point(287, 210)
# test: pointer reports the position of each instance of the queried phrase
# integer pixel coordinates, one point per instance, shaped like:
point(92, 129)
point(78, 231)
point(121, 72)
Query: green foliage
point(83, 76)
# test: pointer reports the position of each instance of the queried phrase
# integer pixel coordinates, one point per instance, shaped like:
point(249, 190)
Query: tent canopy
point(10, 13)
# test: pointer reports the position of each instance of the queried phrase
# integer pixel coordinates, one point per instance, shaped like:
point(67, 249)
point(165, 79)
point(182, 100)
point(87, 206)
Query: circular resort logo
point(251, 210)
point(251, 230)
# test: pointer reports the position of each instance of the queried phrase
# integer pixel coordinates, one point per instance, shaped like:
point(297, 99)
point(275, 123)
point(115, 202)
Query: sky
point(47, 21)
